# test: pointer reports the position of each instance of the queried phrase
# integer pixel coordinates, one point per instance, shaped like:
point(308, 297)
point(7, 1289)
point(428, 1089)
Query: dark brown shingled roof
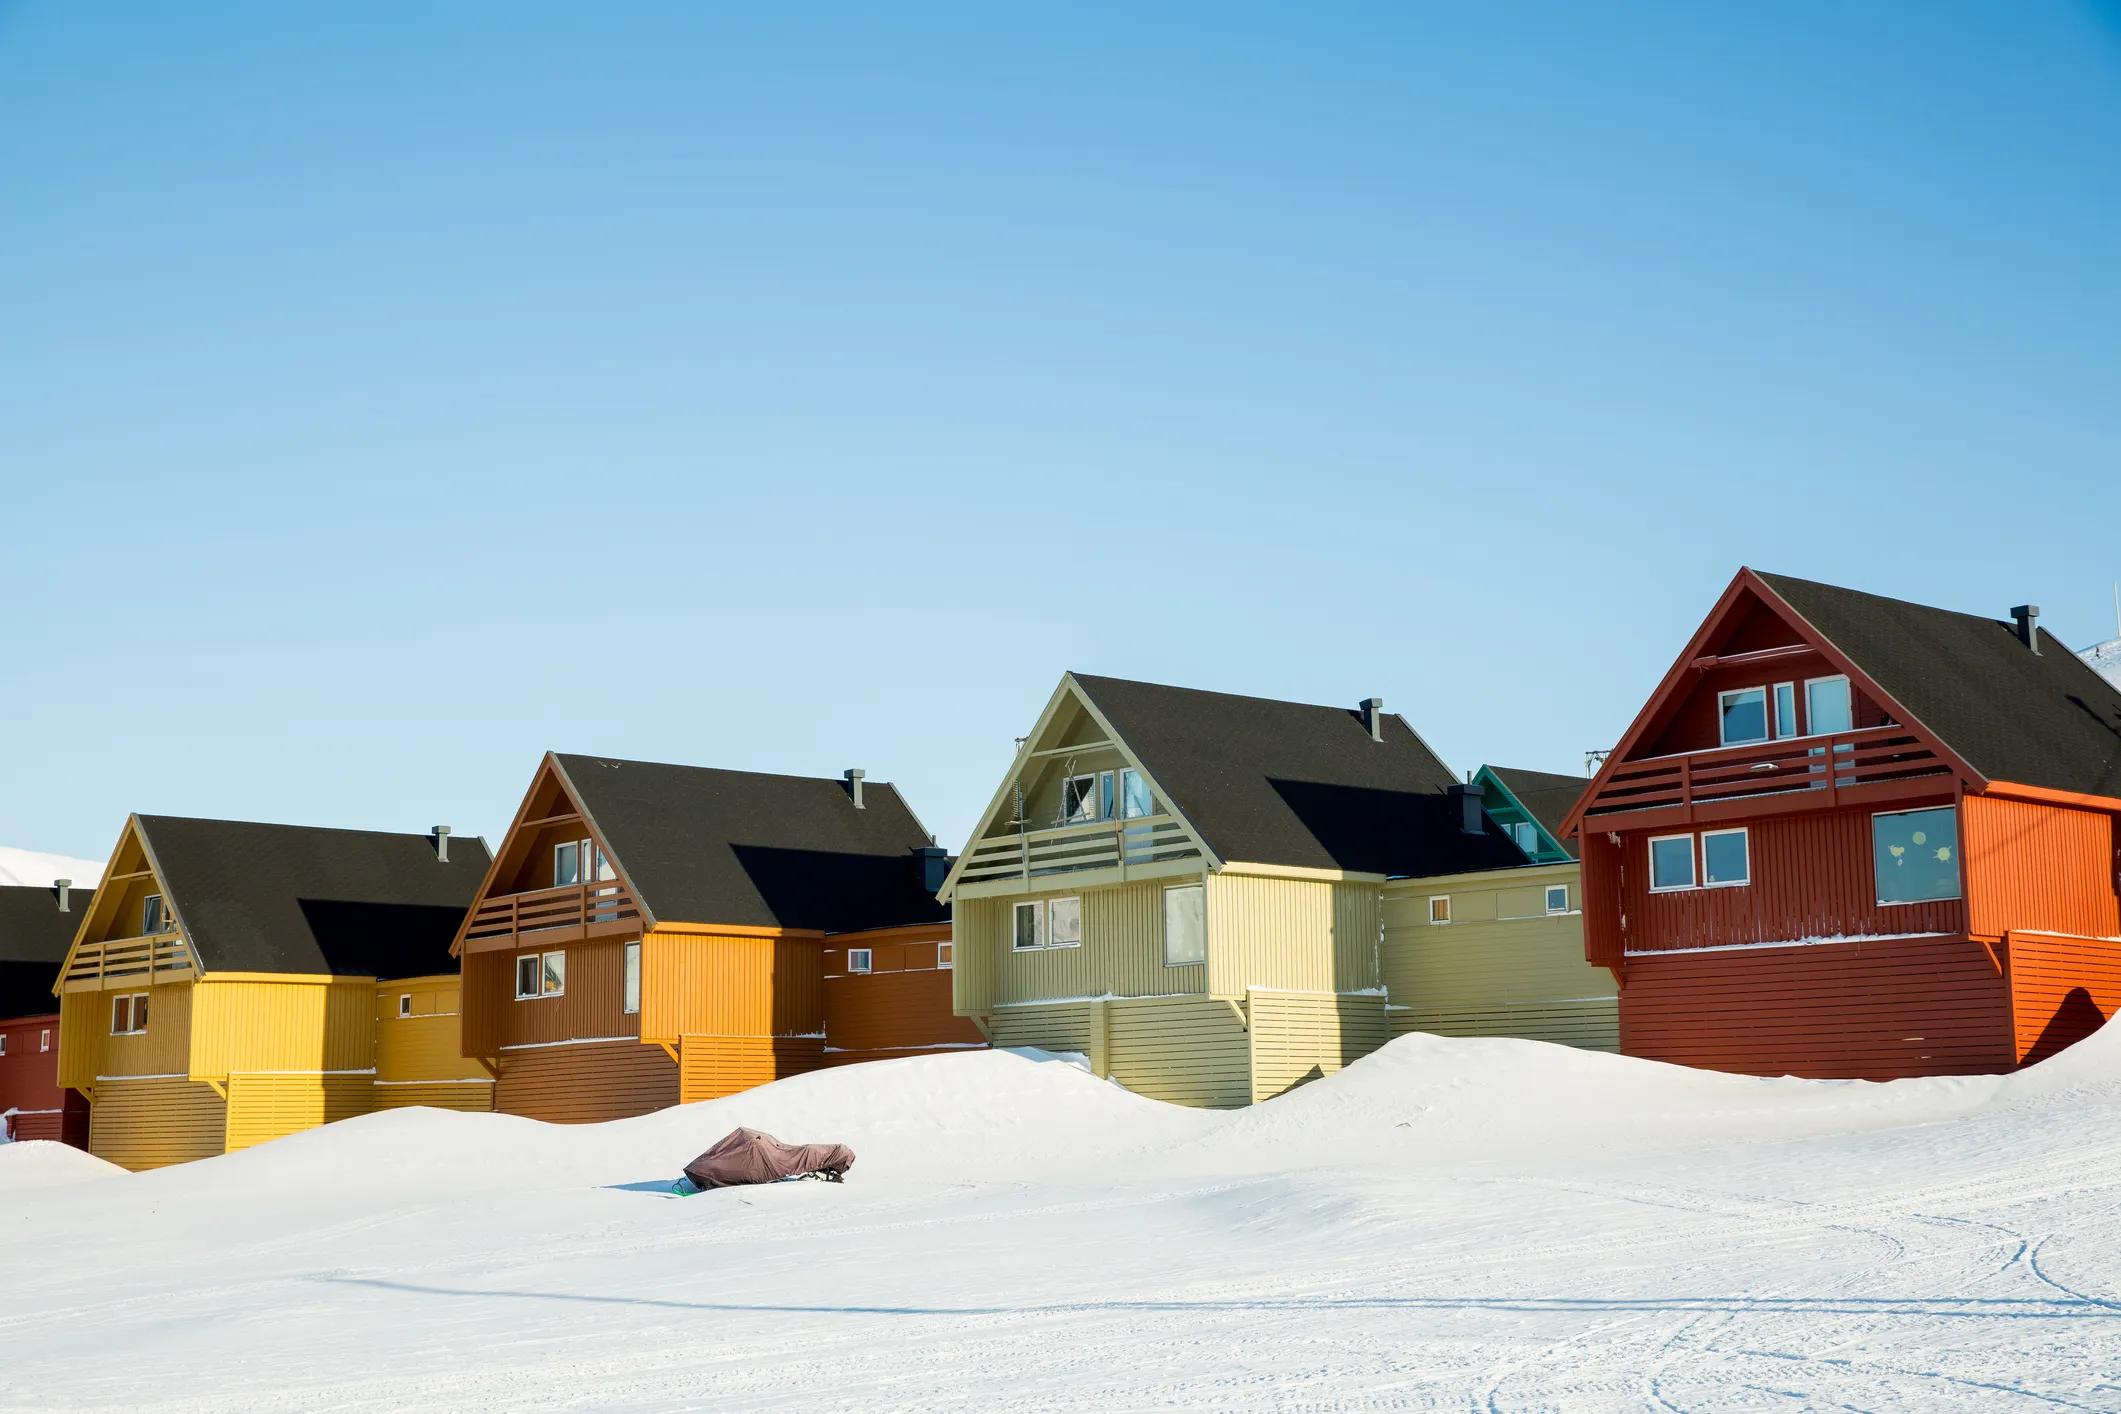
point(1270, 782)
point(34, 937)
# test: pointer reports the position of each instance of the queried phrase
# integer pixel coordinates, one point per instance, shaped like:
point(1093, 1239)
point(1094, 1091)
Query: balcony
point(1879, 764)
point(569, 913)
point(119, 963)
point(1015, 861)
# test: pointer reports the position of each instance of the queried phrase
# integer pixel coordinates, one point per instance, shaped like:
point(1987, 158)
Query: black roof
point(744, 848)
point(2038, 719)
point(1269, 782)
point(296, 898)
point(1546, 797)
point(34, 937)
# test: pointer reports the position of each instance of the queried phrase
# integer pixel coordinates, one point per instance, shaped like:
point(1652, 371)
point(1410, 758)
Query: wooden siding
point(1297, 1037)
point(87, 1050)
point(1122, 952)
point(1812, 878)
point(1599, 858)
point(1068, 1028)
point(1184, 1050)
point(146, 1124)
point(1502, 966)
point(297, 1023)
point(716, 984)
point(586, 1084)
point(710, 1067)
point(425, 1047)
point(2041, 867)
point(1869, 1010)
point(902, 1005)
point(2062, 990)
point(593, 1006)
point(29, 1082)
point(262, 1108)
point(1311, 935)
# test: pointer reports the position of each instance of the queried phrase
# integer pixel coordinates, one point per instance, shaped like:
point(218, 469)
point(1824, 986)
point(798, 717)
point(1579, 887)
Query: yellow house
point(1499, 951)
point(229, 984)
point(1188, 887)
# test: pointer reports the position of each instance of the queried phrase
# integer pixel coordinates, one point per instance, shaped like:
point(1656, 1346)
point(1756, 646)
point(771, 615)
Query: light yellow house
point(1187, 887)
point(1499, 951)
point(226, 986)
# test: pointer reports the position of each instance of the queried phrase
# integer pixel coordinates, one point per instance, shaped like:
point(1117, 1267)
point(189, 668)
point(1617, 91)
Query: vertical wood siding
point(296, 1025)
point(146, 1124)
point(903, 1005)
point(730, 985)
point(1812, 878)
point(1297, 1038)
point(713, 1066)
point(262, 1108)
point(1864, 1011)
point(586, 1084)
point(1604, 899)
point(2038, 866)
point(2062, 990)
point(87, 1050)
point(1297, 934)
point(1122, 952)
point(593, 1006)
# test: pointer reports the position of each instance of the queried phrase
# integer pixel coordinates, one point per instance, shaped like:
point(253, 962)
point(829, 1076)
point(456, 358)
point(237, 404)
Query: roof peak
point(1352, 709)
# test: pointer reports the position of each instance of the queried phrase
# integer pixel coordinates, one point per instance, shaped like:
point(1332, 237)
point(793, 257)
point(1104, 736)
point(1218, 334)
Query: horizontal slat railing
point(1841, 761)
point(121, 962)
point(603, 904)
point(1100, 844)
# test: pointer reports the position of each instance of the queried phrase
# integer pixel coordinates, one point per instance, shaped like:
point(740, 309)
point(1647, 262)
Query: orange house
point(1851, 836)
point(652, 934)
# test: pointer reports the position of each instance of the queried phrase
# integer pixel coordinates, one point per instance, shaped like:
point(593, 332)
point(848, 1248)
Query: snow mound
point(2107, 659)
point(40, 1163)
point(28, 867)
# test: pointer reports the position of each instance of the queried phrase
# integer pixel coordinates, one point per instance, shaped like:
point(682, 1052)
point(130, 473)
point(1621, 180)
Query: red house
point(36, 927)
point(1855, 837)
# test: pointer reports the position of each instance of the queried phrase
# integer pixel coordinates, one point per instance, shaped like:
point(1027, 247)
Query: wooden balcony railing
point(118, 963)
point(1678, 787)
point(1067, 849)
point(579, 911)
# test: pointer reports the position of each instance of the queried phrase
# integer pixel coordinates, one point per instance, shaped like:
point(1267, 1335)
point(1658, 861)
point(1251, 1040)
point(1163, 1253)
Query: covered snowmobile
point(747, 1156)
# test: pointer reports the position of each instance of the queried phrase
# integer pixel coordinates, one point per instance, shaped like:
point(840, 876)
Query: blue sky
point(391, 393)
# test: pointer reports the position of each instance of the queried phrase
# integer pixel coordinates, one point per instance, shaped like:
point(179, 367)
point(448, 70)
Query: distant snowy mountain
point(2107, 659)
point(27, 866)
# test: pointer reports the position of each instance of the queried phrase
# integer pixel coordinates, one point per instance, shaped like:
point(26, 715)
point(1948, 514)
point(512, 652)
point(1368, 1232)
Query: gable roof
point(748, 849)
point(1269, 782)
point(1545, 796)
point(2040, 719)
point(255, 897)
point(34, 937)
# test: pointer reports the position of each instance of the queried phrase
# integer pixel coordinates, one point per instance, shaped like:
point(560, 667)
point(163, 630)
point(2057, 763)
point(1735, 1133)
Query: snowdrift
point(40, 1163)
point(27, 867)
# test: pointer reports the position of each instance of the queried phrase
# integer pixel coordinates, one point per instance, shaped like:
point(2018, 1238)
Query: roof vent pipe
point(1373, 717)
point(64, 886)
point(2028, 617)
point(854, 786)
point(442, 843)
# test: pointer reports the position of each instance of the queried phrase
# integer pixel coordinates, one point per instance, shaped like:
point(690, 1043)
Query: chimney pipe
point(1472, 818)
point(64, 886)
point(2028, 617)
point(935, 864)
point(1373, 717)
point(442, 843)
point(854, 786)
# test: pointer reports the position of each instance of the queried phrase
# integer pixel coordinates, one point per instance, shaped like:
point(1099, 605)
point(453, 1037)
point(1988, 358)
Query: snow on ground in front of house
point(1485, 1225)
point(39, 1163)
point(26, 866)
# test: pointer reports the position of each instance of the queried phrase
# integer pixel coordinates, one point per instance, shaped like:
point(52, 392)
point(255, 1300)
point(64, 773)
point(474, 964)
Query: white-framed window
point(1915, 855)
point(526, 976)
point(1029, 926)
point(1671, 863)
point(541, 975)
point(44, 1039)
point(1134, 801)
point(1785, 709)
point(128, 1014)
point(945, 955)
point(860, 959)
point(1082, 800)
point(404, 1005)
point(571, 857)
point(1064, 922)
point(150, 915)
point(1557, 898)
point(1741, 715)
point(1439, 908)
point(1826, 705)
point(1185, 925)
point(1726, 858)
point(631, 955)
point(3, 1043)
point(1525, 835)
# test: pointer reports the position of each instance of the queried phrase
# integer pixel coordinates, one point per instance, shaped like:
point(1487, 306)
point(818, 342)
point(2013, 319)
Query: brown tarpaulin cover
point(747, 1156)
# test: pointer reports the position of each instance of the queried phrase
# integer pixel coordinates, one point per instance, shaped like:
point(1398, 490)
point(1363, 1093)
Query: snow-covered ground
point(1483, 1225)
point(26, 866)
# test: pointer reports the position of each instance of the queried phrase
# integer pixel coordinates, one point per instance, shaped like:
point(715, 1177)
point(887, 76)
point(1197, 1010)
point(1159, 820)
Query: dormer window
point(1826, 706)
point(1525, 835)
point(1742, 715)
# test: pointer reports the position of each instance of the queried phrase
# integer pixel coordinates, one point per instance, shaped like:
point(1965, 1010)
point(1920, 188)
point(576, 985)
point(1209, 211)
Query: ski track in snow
point(1493, 1227)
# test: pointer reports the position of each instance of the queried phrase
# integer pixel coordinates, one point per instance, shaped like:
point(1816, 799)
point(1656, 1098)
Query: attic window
point(1741, 715)
point(1826, 706)
point(1525, 835)
point(1086, 798)
point(860, 959)
point(151, 917)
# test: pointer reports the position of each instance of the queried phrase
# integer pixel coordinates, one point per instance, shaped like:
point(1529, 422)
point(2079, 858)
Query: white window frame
point(153, 914)
point(1119, 799)
point(1767, 719)
point(1810, 683)
point(44, 1040)
point(537, 974)
point(1702, 862)
point(1525, 835)
point(1038, 926)
point(3, 1043)
point(135, 1013)
point(1076, 817)
point(945, 956)
point(1436, 921)
point(1164, 923)
point(1052, 940)
point(543, 959)
point(1959, 845)
point(1563, 890)
point(1776, 724)
point(861, 960)
point(404, 1006)
point(630, 979)
point(1693, 854)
